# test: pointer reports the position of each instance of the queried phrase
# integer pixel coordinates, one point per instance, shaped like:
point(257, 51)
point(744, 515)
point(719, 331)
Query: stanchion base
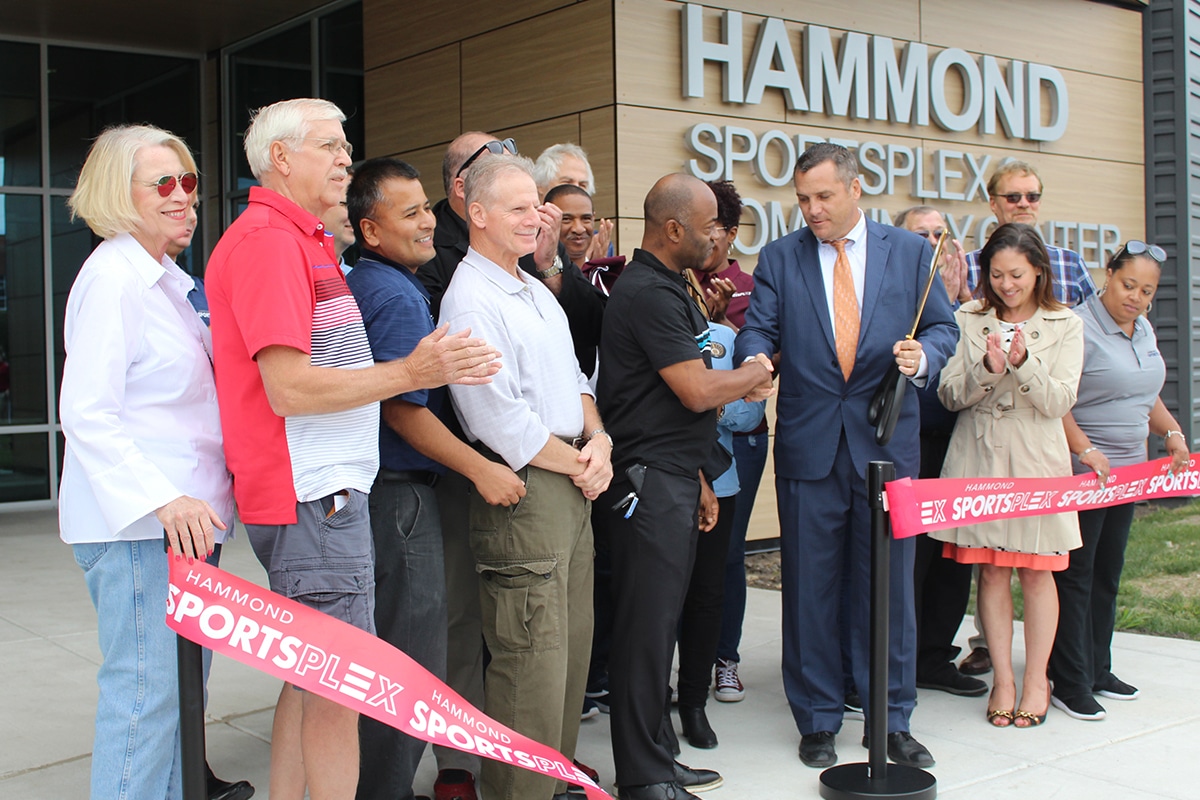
point(851, 782)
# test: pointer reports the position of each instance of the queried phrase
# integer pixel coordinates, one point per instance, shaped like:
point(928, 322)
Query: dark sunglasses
point(1136, 247)
point(493, 147)
point(1015, 197)
point(166, 184)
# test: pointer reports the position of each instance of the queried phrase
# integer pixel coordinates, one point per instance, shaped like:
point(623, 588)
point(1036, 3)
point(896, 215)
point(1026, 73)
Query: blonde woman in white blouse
point(143, 444)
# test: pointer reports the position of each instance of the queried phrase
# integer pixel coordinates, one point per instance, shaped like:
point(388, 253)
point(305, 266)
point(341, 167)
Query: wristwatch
point(555, 269)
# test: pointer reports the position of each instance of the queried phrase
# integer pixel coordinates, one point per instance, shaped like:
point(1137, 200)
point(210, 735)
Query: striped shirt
point(273, 279)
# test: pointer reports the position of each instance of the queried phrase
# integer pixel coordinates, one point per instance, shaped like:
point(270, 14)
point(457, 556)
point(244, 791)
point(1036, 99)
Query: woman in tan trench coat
point(1014, 375)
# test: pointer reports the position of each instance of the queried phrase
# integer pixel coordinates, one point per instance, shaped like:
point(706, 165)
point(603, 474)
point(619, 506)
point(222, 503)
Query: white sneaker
point(729, 685)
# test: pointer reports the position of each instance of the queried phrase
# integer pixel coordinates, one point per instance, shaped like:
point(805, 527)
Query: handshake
point(766, 387)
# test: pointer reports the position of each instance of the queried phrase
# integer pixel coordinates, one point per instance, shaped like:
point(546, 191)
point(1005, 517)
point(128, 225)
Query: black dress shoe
point(696, 780)
point(217, 789)
point(904, 750)
point(948, 679)
point(817, 750)
point(696, 728)
point(654, 791)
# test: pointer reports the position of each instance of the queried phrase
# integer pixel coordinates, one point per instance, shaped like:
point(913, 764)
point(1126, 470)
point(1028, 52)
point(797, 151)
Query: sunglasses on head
point(166, 184)
point(494, 147)
point(1136, 247)
point(1015, 197)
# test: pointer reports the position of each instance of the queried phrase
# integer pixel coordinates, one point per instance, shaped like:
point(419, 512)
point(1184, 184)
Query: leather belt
point(423, 476)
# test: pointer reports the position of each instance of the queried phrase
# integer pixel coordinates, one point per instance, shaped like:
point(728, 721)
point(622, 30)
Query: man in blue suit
point(836, 300)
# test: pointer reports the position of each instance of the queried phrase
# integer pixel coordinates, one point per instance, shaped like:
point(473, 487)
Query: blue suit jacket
point(789, 314)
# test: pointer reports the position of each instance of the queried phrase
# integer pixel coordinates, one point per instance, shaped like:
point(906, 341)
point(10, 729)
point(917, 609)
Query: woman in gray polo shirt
point(1117, 408)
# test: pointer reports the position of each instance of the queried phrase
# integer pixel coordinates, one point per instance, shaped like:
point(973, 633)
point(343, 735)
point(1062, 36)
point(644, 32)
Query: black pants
point(1087, 601)
point(942, 585)
point(700, 624)
point(652, 554)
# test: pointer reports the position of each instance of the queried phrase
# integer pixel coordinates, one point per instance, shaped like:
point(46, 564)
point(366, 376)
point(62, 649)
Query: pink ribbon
point(920, 506)
point(349, 666)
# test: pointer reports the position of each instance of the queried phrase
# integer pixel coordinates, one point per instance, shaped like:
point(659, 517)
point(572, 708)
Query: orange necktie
point(845, 309)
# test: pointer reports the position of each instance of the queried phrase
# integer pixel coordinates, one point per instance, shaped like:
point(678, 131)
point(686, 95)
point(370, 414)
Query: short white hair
point(546, 168)
point(479, 184)
point(285, 121)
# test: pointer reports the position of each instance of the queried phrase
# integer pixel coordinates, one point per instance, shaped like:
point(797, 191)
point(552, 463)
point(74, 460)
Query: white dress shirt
point(856, 254)
point(138, 403)
point(538, 392)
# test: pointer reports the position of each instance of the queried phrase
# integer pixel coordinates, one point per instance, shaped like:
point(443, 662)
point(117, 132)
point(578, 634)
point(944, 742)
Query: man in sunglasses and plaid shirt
point(1015, 195)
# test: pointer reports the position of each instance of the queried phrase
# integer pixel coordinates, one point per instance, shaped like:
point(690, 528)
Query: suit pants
point(943, 586)
point(535, 567)
point(652, 554)
point(825, 537)
point(1087, 602)
point(410, 613)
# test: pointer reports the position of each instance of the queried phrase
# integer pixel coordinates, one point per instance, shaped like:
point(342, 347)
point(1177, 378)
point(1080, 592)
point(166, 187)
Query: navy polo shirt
point(395, 310)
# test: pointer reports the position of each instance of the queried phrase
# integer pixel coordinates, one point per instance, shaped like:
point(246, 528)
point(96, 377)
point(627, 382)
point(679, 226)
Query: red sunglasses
point(166, 184)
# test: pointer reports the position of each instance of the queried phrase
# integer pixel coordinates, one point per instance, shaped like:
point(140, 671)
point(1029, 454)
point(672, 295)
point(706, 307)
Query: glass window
point(266, 72)
point(24, 467)
point(22, 312)
point(20, 122)
point(93, 89)
point(70, 245)
point(341, 71)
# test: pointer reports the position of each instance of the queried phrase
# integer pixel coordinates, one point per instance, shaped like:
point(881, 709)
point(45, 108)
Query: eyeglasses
point(332, 145)
point(494, 147)
point(166, 184)
point(1136, 247)
point(1015, 197)
point(930, 234)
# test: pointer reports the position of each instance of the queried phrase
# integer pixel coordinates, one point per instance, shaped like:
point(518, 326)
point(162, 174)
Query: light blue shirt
point(739, 416)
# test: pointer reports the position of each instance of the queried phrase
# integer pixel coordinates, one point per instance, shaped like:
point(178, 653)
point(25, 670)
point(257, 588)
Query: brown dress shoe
point(979, 662)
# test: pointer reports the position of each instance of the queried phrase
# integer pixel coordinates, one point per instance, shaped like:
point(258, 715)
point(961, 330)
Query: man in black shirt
point(660, 400)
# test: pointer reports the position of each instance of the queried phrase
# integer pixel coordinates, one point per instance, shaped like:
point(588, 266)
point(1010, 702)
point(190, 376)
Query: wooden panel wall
point(539, 71)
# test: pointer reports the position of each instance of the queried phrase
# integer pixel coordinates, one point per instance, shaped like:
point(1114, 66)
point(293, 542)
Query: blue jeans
point(750, 457)
point(136, 752)
point(410, 613)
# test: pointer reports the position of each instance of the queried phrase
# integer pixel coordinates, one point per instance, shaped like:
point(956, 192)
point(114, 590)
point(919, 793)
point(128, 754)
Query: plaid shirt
point(1072, 281)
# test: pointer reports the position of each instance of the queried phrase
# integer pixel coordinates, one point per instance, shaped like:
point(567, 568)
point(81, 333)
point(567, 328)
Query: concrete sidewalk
point(49, 657)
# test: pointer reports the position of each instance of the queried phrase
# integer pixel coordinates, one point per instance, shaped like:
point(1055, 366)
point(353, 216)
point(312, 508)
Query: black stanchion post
point(877, 778)
point(191, 713)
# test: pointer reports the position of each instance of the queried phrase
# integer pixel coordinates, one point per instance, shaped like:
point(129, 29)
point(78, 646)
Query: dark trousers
point(700, 624)
point(825, 531)
point(410, 613)
point(750, 457)
point(601, 608)
point(652, 554)
point(943, 586)
point(1087, 601)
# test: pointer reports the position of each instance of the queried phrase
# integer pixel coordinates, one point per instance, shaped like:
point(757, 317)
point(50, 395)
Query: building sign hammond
point(868, 77)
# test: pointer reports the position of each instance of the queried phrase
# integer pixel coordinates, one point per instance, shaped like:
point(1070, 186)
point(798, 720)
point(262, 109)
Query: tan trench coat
point(1011, 423)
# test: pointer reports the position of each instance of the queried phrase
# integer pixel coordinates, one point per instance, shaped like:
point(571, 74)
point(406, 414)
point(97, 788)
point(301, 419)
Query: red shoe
point(454, 784)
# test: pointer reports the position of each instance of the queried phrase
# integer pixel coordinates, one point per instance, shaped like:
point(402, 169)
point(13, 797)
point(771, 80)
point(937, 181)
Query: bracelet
point(1086, 451)
point(605, 434)
point(1169, 434)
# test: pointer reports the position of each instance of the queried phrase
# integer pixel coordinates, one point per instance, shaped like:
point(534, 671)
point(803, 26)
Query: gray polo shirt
point(1121, 379)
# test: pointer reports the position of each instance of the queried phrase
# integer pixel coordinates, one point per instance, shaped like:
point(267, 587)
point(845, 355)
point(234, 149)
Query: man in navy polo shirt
point(394, 226)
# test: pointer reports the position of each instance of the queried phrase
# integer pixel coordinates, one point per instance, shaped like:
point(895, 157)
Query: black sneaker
point(598, 694)
point(1116, 689)
point(949, 679)
point(1082, 706)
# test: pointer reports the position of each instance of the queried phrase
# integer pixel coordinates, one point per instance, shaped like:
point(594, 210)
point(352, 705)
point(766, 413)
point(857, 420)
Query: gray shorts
point(325, 561)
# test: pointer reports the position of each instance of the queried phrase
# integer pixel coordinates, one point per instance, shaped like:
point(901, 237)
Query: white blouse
point(138, 403)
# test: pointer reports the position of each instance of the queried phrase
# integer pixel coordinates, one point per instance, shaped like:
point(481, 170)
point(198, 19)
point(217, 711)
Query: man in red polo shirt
point(299, 394)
